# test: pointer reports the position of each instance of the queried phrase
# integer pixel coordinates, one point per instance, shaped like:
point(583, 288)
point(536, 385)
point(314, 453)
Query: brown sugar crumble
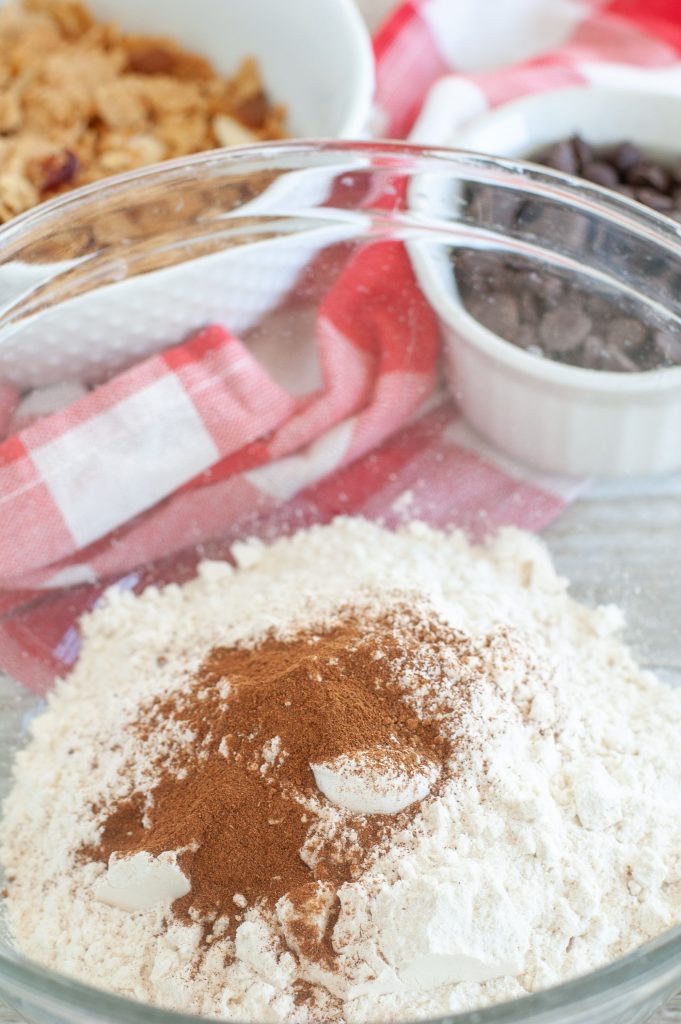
point(81, 100)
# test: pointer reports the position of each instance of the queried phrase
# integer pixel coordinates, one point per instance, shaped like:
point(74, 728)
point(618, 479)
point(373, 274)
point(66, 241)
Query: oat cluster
point(80, 100)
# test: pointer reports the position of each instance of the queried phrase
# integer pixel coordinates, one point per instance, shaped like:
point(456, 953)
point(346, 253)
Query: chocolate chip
point(552, 289)
point(481, 272)
point(626, 190)
point(499, 313)
point(598, 306)
point(562, 227)
point(625, 333)
point(540, 311)
point(647, 173)
point(560, 156)
point(564, 328)
point(626, 155)
point(655, 200)
point(675, 171)
point(601, 174)
point(583, 151)
point(529, 307)
point(492, 207)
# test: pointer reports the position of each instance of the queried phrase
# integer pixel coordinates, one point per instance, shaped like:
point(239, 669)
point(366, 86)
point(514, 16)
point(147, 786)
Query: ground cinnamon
point(239, 805)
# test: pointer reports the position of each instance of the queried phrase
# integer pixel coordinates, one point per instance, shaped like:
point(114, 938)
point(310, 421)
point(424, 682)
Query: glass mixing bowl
point(95, 285)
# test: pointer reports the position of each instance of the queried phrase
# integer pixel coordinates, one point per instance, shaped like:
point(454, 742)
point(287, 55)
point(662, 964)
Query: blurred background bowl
point(558, 418)
point(315, 56)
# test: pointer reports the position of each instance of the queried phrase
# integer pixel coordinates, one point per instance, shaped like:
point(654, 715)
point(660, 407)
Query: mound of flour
point(556, 850)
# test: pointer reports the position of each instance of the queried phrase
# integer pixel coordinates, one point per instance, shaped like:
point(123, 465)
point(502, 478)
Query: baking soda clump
point(466, 788)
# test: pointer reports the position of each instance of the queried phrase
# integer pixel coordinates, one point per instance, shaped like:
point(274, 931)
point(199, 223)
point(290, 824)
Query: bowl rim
point(364, 75)
point(658, 960)
point(623, 96)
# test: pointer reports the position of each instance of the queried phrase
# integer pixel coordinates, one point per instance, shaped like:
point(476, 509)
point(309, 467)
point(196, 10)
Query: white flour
point(558, 849)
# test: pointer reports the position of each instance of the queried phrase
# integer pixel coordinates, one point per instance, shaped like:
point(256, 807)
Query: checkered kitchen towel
point(504, 49)
point(200, 443)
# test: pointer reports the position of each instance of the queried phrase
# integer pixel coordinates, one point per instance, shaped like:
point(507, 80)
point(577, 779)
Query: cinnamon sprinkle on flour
point(362, 776)
point(239, 796)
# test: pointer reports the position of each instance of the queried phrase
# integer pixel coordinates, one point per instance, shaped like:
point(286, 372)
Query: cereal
point(81, 100)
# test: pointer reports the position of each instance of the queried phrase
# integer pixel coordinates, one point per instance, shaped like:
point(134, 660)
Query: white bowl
point(604, 116)
point(315, 56)
point(557, 418)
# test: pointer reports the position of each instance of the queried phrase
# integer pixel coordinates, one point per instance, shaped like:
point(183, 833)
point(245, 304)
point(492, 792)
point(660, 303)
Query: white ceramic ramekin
point(557, 418)
point(315, 55)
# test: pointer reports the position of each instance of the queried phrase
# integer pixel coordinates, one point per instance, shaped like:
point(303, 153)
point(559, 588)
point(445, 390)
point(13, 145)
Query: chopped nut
point(253, 111)
point(53, 171)
point(80, 100)
point(154, 59)
point(127, 152)
point(10, 111)
point(229, 132)
point(119, 106)
point(16, 195)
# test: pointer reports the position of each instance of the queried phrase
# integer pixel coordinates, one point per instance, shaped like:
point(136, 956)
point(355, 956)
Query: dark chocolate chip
point(654, 199)
point(625, 156)
point(560, 156)
point(482, 272)
point(492, 207)
point(601, 174)
point(626, 190)
point(564, 328)
point(551, 288)
point(649, 174)
point(598, 306)
point(625, 333)
point(535, 308)
point(583, 151)
point(562, 227)
point(529, 308)
point(675, 171)
point(498, 312)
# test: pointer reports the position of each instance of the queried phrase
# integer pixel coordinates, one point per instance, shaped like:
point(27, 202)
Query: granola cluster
point(80, 100)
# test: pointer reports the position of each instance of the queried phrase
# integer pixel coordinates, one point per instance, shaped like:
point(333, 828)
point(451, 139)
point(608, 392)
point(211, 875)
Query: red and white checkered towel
point(201, 443)
point(505, 49)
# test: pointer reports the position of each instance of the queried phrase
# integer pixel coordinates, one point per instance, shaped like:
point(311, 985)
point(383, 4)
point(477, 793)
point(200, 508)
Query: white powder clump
point(554, 849)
